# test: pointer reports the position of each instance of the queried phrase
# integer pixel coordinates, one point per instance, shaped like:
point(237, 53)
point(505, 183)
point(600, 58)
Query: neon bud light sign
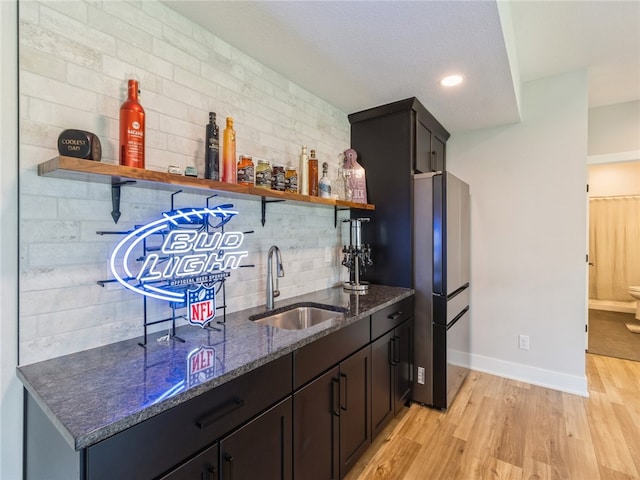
point(188, 262)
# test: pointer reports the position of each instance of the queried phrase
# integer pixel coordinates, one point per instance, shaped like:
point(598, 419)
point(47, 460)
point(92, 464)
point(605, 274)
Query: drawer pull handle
point(393, 316)
point(212, 417)
point(396, 350)
point(229, 471)
point(392, 351)
point(211, 472)
point(335, 396)
point(344, 399)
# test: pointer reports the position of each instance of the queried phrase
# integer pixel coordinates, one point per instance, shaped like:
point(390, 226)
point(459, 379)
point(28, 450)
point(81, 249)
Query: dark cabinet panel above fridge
point(393, 142)
point(419, 236)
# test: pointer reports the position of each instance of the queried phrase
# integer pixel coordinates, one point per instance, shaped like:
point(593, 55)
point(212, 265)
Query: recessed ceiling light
point(451, 81)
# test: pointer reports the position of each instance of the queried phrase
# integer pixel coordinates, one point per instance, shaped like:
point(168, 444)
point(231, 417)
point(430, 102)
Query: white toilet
point(635, 293)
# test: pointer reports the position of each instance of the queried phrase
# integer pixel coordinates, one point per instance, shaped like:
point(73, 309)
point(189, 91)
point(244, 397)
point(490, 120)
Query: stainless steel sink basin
point(299, 317)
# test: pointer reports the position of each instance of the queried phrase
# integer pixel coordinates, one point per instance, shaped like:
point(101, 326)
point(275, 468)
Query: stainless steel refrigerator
point(441, 241)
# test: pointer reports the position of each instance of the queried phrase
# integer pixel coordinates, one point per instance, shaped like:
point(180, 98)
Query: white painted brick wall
point(75, 59)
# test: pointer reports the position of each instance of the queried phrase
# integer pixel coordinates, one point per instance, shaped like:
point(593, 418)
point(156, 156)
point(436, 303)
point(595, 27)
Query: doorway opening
point(614, 259)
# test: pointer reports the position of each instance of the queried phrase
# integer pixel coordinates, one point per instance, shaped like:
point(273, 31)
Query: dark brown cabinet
point(165, 441)
point(403, 364)
point(394, 142)
point(203, 466)
point(382, 390)
point(355, 408)
point(260, 449)
point(429, 151)
point(304, 416)
point(391, 361)
point(316, 428)
point(332, 420)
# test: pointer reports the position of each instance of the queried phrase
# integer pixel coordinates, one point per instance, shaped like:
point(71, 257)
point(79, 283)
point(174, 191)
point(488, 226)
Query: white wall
point(615, 129)
point(529, 236)
point(75, 60)
point(10, 386)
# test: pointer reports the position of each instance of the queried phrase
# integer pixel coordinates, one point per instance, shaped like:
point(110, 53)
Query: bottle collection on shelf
point(222, 166)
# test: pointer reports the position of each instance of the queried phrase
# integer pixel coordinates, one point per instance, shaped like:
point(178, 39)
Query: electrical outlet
point(523, 342)
point(421, 375)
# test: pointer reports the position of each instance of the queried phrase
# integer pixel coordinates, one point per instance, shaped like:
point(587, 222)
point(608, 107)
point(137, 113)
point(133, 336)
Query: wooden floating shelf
point(97, 172)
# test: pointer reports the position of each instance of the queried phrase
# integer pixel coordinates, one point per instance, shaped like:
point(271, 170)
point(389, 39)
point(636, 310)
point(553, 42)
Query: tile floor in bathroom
point(609, 335)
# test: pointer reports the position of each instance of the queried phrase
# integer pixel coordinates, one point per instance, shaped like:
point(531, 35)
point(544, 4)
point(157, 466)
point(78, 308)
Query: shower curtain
point(614, 247)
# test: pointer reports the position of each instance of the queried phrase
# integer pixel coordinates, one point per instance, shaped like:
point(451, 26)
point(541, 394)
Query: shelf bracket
point(264, 208)
point(337, 209)
point(115, 198)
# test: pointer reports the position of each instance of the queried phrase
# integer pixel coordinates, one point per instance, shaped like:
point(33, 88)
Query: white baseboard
point(541, 377)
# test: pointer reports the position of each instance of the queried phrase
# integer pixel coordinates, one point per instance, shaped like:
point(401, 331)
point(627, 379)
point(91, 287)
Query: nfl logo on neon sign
point(201, 305)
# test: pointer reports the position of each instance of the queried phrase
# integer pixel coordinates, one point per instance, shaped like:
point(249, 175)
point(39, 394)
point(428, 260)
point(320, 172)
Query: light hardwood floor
point(504, 429)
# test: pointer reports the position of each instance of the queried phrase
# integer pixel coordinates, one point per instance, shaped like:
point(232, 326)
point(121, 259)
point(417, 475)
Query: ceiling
point(360, 54)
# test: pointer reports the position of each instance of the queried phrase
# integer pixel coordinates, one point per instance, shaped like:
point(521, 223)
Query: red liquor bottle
point(132, 129)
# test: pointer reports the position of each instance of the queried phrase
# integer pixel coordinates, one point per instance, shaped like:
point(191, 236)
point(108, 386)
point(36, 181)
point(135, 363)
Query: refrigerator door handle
point(458, 291)
point(457, 317)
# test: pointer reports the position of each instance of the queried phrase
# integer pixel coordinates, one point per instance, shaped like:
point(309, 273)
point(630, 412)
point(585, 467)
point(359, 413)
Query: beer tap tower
point(357, 257)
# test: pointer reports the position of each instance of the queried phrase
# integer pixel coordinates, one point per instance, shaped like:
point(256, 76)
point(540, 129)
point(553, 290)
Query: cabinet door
point(203, 466)
point(422, 163)
point(438, 161)
point(355, 408)
point(316, 429)
point(403, 363)
point(382, 382)
point(260, 449)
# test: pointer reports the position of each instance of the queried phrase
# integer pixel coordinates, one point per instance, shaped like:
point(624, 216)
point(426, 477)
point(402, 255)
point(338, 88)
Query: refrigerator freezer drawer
point(446, 309)
point(456, 304)
point(451, 360)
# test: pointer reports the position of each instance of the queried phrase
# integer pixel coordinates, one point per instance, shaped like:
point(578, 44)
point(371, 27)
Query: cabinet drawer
point(313, 359)
point(390, 317)
point(159, 443)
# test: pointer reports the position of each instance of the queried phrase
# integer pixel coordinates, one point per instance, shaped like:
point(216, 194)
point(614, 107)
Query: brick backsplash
point(75, 59)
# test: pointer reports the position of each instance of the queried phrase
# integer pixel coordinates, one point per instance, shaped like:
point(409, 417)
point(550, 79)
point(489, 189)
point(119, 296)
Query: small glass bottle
point(229, 174)
point(324, 187)
point(303, 172)
point(313, 174)
point(245, 171)
point(337, 188)
point(277, 178)
point(212, 149)
point(263, 175)
point(291, 180)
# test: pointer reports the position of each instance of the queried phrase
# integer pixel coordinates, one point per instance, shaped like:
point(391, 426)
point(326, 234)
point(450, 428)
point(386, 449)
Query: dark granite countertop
point(97, 393)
